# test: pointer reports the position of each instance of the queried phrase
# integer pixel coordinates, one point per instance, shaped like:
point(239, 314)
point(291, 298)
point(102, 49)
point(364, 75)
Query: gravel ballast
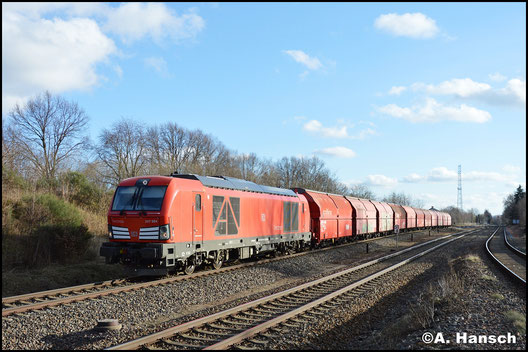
point(149, 310)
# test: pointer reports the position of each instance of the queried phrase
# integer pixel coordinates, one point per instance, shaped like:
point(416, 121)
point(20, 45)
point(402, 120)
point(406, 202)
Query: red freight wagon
point(384, 216)
point(434, 221)
point(371, 212)
point(428, 218)
point(411, 216)
point(447, 219)
point(360, 217)
point(440, 218)
point(169, 223)
point(389, 216)
point(323, 212)
point(344, 215)
point(400, 216)
point(420, 217)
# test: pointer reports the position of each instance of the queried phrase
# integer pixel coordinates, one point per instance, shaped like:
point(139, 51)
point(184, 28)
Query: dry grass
point(497, 296)
point(16, 281)
point(518, 320)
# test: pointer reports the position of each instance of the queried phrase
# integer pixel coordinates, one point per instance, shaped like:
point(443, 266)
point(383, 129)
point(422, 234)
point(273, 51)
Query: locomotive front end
point(139, 226)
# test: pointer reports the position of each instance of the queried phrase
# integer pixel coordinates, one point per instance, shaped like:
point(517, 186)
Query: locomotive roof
point(236, 184)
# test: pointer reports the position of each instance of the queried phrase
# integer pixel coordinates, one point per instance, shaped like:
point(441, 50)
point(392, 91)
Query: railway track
point(248, 326)
point(509, 258)
point(51, 298)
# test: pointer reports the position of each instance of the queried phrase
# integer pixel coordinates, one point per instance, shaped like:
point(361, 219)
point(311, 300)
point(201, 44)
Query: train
point(163, 224)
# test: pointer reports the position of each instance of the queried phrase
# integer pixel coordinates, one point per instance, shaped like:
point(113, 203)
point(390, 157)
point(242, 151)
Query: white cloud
point(158, 64)
point(317, 127)
point(460, 87)
point(432, 111)
point(515, 88)
point(412, 178)
point(62, 51)
point(135, 21)
point(413, 25)
point(443, 174)
point(514, 93)
point(301, 57)
point(333, 132)
point(511, 169)
point(381, 180)
point(397, 90)
point(497, 77)
point(56, 55)
point(364, 134)
point(341, 152)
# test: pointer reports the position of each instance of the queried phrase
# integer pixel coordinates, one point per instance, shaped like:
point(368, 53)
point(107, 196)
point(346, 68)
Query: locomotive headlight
point(109, 231)
point(164, 232)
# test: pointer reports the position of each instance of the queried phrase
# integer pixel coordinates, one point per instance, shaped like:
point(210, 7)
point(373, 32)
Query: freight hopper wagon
point(158, 224)
point(338, 218)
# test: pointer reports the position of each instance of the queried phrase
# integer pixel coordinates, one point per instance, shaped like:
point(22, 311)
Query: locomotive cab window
point(139, 198)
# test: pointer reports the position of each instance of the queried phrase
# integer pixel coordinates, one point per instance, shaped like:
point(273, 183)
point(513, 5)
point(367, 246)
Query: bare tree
point(122, 151)
point(168, 147)
point(308, 173)
point(249, 167)
point(403, 199)
point(361, 191)
point(48, 131)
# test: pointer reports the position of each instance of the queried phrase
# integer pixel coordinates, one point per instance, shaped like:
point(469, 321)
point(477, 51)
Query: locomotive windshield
point(139, 198)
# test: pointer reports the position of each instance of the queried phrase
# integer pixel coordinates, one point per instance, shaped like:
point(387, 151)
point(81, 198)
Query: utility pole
point(459, 196)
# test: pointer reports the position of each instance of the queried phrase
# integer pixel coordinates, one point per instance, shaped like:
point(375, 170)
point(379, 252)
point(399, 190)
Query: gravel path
point(152, 309)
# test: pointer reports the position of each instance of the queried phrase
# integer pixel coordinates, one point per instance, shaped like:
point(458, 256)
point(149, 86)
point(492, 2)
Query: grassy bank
point(20, 281)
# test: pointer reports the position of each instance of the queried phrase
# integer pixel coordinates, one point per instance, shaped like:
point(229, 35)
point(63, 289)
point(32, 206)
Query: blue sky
point(392, 95)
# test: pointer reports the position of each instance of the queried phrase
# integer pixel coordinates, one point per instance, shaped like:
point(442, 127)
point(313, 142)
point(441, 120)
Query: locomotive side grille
point(149, 233)
point(120, 233)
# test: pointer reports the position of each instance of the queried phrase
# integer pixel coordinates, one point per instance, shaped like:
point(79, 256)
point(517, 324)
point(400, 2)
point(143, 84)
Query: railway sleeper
point(271, 311)
point(267, 306)
point(220, 327)
point(245, 348)
point(257, 341)
point(199, 338)
point(181, 344)
point(208, 332)
point(285, 304)
point(288, 324)
point(260, 317)
point(236, 322)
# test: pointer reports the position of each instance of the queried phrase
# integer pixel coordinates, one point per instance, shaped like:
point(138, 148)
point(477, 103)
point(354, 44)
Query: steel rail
point(501, 265)
point(83, 296)
point(58, 291)
point(282, 318)
point(512, 247)
point(149, 339)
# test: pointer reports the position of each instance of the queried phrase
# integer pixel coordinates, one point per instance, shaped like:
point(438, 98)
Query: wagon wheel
point(190, 266)
point(219, 260)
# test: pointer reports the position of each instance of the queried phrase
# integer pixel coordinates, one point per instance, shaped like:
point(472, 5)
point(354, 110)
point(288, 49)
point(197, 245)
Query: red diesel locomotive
point(158, 224)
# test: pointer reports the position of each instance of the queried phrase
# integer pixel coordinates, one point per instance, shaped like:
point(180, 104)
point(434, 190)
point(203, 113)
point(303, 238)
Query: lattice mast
point(459, 196)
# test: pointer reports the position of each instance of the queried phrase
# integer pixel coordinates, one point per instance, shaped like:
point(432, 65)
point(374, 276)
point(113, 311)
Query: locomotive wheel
point(190, 266)
point(219, 260)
